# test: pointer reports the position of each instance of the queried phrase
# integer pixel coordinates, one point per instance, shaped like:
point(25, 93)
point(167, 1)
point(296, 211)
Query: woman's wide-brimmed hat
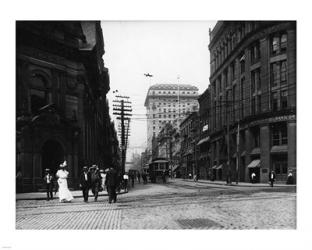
point(63, 165)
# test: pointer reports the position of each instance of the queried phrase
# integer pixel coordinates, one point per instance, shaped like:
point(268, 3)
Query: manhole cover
point(198, 224)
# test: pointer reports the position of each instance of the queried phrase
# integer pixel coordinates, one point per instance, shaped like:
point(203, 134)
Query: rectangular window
point(284, 96)
point(283, 72)
point(283, 42)
point(279, 44)
point(253, 105)
point(242, 96)
point(258, 79)
point(259, 103)
point(242, 64)
point(279, 134)
point(232, 71)
point(274, 101)
point(253, 81)
point(274, 74)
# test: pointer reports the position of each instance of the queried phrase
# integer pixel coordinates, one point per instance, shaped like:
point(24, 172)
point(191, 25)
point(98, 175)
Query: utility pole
point(228, 144)
point(237, 154)
point(123, 111)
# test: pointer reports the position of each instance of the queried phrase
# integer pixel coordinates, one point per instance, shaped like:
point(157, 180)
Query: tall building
point(168, 103)
point(61, 107)
point(252, 125)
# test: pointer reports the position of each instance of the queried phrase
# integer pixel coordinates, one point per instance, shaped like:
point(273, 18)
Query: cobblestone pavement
point(177, 205)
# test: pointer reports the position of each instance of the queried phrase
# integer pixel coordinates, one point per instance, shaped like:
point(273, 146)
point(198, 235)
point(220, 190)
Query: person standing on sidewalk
point(132, 176)
point(85, 183)
point(125, 179)
point(272, 177)
point(253, 177)
point(111, 185)
point(139, 177)
point(48, 180)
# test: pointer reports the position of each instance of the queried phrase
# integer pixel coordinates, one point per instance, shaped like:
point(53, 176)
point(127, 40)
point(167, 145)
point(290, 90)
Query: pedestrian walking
point(103, 177)
point(111, 185)
point(125, 179)
point(132, 176)
point(139, 177)
point(95, 181)
point(62, 175)
point(85, 181)
point(163, 176)
point(272, 177)
point(253, 177)
point(144, 178)
point(48, 180)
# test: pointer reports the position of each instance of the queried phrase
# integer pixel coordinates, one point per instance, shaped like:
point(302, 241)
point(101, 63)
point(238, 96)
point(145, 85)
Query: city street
point(179, 204)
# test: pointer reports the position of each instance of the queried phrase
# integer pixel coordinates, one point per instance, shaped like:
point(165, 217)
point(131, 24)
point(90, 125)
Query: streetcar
point(158, 168)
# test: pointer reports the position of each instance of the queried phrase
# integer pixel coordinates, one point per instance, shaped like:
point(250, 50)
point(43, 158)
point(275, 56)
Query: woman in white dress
point(64, 193)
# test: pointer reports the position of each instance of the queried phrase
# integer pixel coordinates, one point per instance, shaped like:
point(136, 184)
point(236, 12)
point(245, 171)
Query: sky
point(165, 49)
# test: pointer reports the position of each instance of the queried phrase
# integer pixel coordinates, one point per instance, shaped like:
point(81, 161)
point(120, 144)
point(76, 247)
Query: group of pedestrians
point(90, 178)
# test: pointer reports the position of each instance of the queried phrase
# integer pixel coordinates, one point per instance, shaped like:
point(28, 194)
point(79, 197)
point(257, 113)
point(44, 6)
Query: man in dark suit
point(111, 183)
point(272, 177)
point(48, 180)
point(85, 183)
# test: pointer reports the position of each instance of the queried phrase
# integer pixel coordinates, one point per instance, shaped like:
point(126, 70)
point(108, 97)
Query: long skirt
point(64, 193)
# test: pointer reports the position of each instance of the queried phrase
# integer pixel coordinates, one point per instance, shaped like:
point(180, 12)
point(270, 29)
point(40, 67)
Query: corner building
point(253, 91)
point(61, 107)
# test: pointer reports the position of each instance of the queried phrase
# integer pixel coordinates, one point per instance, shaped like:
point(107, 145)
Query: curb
point(238, 185)
point(75, 196)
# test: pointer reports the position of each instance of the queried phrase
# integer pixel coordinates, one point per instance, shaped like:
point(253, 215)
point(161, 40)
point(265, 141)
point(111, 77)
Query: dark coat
point(274, 176)
point(111, 178)
point(83, 182)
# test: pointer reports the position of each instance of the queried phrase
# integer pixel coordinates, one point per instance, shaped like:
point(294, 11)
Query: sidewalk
point(43, 195)
point(240, 184)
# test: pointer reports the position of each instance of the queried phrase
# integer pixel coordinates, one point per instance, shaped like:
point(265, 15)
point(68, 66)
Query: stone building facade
point(203, 145)
point(61, 108)
point(168, 103)
point(189, 133)
point(253, 91)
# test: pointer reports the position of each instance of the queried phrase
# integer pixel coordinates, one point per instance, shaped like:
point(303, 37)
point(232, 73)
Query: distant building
point(204, 153)
point(61, 107)
point(168, 103)
point(253, 90)
point(189, 133)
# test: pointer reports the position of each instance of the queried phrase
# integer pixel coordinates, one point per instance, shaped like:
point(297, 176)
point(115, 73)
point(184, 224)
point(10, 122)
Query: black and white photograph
point(186, 125)
point(155, 132)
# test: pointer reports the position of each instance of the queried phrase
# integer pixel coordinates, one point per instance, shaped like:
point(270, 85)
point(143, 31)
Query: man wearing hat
point(85, 183)
point(48, 180)
point(95, 181)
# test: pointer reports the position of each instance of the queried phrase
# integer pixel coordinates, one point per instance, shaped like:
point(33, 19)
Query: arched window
point(40, 94)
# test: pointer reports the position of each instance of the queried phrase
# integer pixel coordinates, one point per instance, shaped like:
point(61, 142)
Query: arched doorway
point(52, 156)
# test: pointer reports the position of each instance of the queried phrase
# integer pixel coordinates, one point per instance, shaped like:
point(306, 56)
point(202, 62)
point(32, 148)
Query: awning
point(214, 167)
point(174, 167)
point(254, 164)
point(160, 161)
point(255, 151)
point(203, 140)
point(220, 166)
point(243, 153)
point(279, 149)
